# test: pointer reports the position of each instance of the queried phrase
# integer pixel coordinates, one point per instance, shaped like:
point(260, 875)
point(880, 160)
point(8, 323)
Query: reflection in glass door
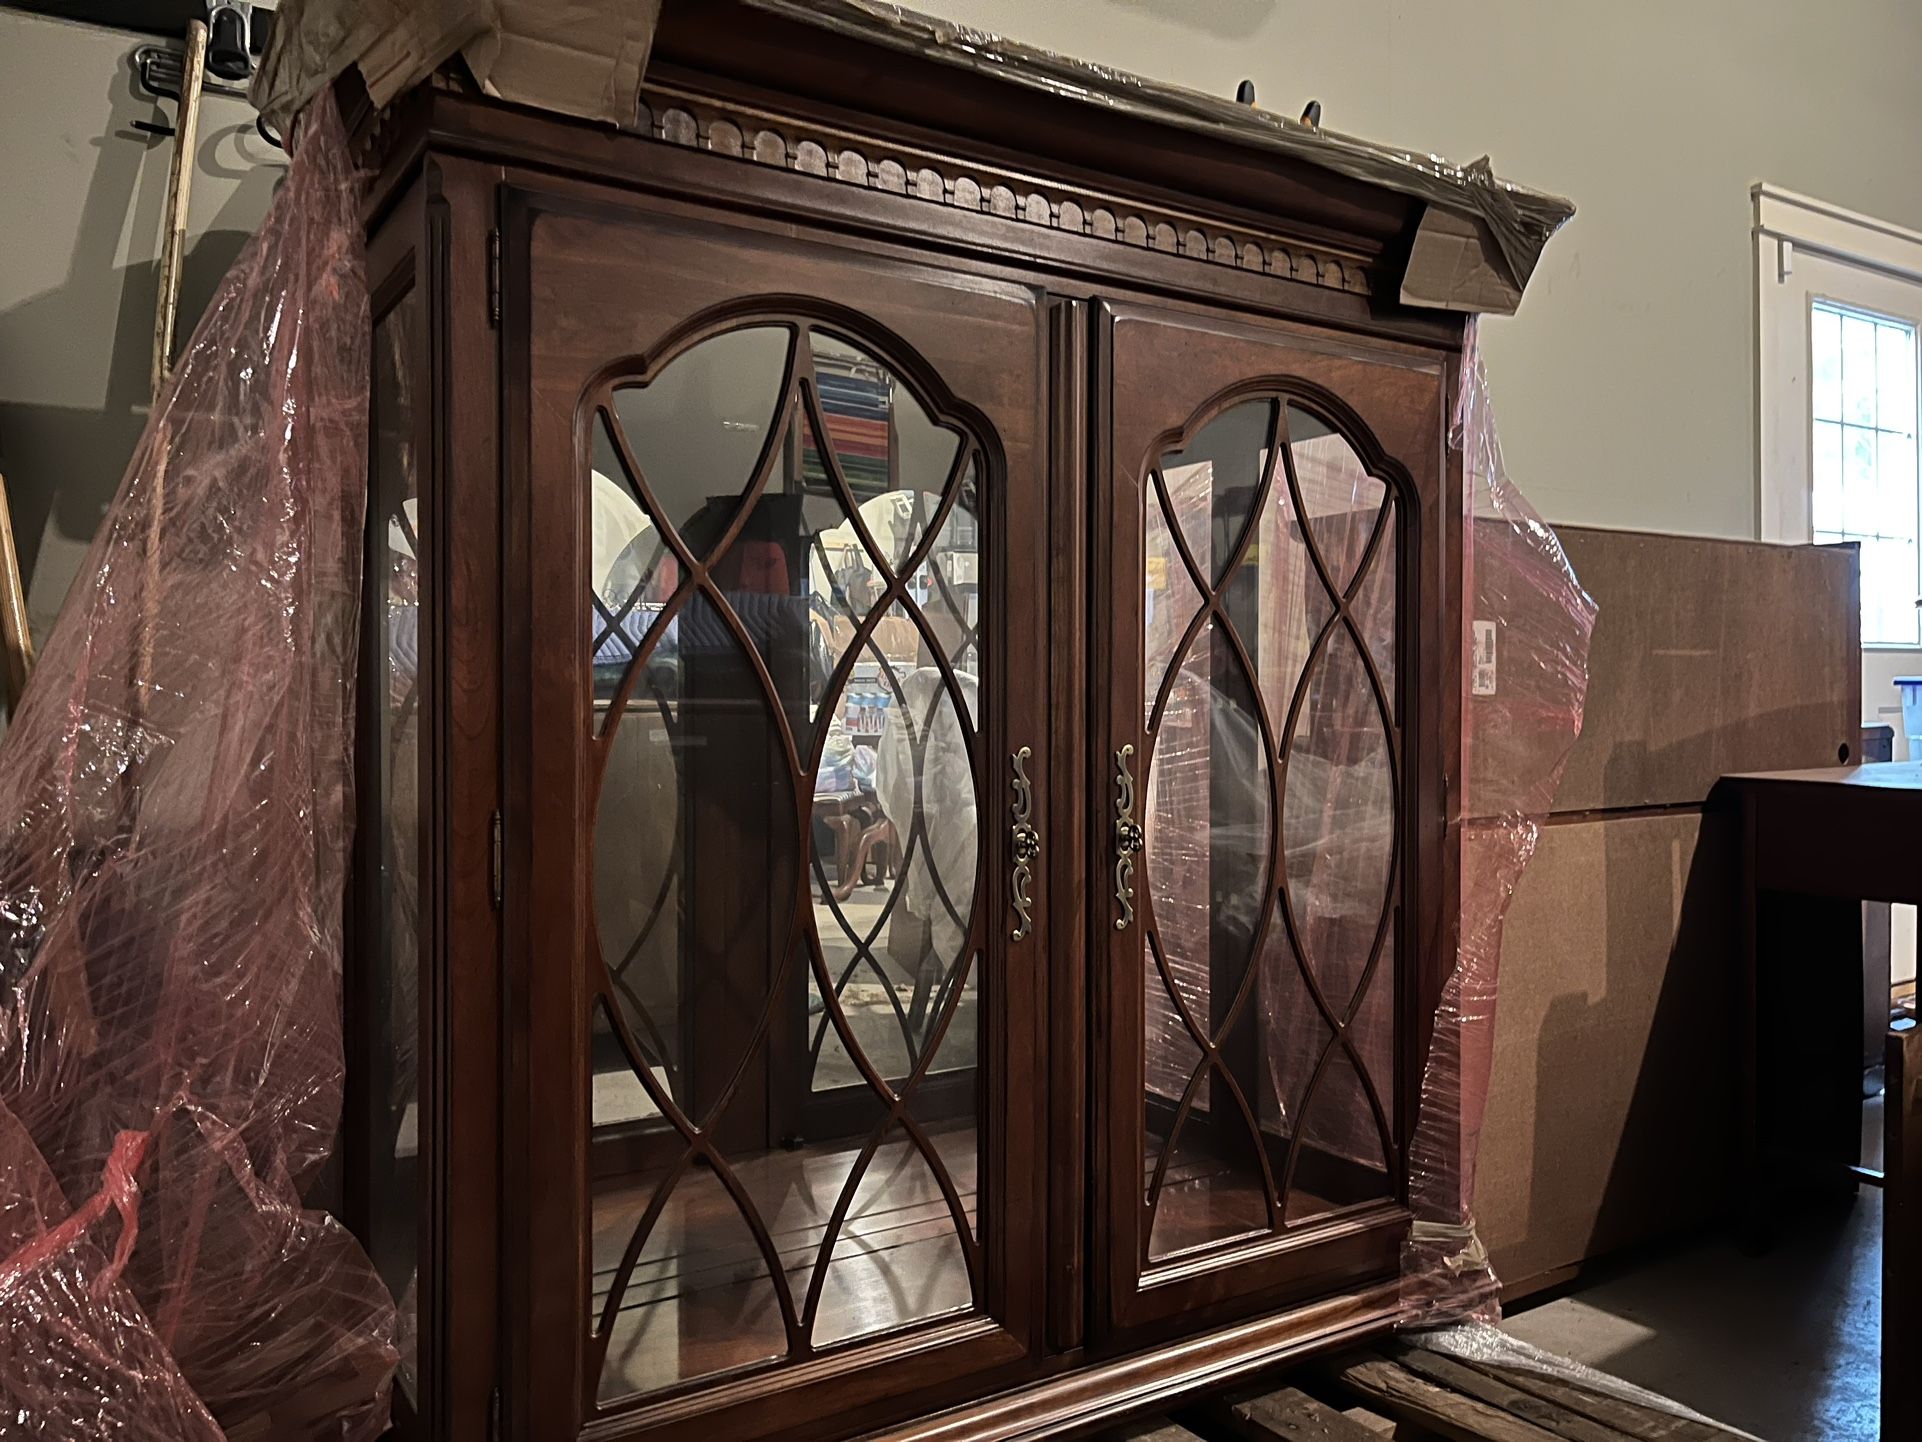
point(1269, 787)
point(787, 660)
point(388, 1000)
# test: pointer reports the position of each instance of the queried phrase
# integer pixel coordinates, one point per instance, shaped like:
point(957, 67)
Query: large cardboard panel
point(1612, 1097)
point(576, 57)
point(1711, 657)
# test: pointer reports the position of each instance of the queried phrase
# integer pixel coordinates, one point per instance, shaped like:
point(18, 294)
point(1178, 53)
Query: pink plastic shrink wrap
point(1526, 623)
point(175, 816)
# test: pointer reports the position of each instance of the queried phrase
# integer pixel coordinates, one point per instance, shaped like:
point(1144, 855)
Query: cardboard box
point(1711, 657)
point(1612, 1094)
point(574, 57)
point(1612, 1100)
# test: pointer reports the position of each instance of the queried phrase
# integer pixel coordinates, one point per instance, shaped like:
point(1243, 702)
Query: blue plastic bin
point(1911, 689)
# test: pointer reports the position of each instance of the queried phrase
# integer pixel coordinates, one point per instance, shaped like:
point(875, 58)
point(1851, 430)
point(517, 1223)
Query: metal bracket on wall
point(237, 35)
point(162, 70)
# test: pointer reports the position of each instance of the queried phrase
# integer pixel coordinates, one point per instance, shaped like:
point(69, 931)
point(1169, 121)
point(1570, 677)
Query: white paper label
point(1482, 676)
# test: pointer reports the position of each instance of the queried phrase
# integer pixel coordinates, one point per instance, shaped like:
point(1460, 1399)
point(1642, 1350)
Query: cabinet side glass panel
point(390, 991)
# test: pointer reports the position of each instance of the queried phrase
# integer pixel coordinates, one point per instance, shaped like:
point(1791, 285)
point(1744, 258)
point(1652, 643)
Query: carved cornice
point(697, 124)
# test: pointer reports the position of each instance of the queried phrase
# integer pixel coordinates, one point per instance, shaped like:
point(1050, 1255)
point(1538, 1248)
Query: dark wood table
point(1839, 831)
point(1813, 845)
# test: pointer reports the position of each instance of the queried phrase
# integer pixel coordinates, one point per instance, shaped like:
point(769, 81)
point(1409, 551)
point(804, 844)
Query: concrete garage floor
point(1786, 1346)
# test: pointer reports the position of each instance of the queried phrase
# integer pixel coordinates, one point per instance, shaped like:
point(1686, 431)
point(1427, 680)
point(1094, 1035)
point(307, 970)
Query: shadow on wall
point(1636, 1070)
point(64, 461)
point(1637, 1081)
point(1228, 19)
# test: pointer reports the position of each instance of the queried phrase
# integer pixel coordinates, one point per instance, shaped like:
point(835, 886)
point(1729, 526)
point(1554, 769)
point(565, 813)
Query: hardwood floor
point(701, 1299)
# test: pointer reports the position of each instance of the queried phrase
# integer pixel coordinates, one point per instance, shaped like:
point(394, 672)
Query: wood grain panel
point(1616, 1000)
point(1710, 657)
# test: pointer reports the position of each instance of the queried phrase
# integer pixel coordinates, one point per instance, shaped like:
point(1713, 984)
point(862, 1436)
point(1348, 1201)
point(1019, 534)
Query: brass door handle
point(1128, 839)
point(1025, 845)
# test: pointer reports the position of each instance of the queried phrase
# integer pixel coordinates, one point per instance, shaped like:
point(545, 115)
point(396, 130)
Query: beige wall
point(1624, 386)
point(82, 196)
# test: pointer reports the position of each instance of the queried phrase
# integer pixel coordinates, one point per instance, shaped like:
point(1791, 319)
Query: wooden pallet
point(1413, 1395)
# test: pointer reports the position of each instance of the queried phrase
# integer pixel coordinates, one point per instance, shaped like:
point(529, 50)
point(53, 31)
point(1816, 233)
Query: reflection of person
point(924, 779)
point(848, 821)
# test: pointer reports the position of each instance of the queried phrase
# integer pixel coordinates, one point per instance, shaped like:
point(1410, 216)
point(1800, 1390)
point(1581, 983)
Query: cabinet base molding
point(1106, 1392)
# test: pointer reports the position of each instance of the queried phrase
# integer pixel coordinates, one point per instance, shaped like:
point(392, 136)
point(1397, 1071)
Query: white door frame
point(1882, 256)
point(1787, 227)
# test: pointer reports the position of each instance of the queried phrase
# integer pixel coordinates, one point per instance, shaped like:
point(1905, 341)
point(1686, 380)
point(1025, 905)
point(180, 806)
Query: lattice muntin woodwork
point(924, 1026)
point(1279, 738)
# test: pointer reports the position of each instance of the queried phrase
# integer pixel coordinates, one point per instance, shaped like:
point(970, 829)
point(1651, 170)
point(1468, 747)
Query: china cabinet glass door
point(775, 1019)
point(1261, 808)
point(784, 1128)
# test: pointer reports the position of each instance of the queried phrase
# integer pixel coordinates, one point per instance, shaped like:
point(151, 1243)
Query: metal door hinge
point(495, 1430)
point(494, 277)
point(496, 845)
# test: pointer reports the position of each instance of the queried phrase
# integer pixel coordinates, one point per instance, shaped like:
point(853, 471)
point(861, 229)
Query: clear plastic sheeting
point(1511, 1359)
point(587, 58)
point(1519, 220)
point(177, 811)
point(1269, 635)
point(1526, 624)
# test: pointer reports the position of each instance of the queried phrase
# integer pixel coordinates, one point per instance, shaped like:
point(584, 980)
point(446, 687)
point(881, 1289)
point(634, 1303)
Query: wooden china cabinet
point(907, 746)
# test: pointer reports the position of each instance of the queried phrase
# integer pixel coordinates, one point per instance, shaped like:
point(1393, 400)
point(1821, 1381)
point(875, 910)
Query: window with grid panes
point(1862, 400)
